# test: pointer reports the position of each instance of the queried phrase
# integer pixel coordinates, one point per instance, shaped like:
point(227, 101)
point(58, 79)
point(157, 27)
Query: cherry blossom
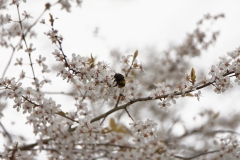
point(105, 121)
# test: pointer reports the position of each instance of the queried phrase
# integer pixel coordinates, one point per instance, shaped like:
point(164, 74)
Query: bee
point(119, 80)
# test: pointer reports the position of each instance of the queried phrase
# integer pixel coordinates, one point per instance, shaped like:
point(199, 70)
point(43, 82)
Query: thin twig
point(117, 100)
point(198, 155)
point(29, 53)
point(128, 114)
point(174, 122)
point(9, 62)
point(130, 66)
point(66, 117)
point(108, 144)
point(102, 120)
point(6, 133)
point(31, 146)
point(13, 152)
point(65, 57)
point(62, 93)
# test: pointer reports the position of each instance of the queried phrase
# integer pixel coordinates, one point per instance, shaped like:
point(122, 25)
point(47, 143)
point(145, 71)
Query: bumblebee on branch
point(119, 80)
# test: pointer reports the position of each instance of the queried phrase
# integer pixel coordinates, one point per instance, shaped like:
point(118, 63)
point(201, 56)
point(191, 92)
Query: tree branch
point(198, 155)
point(194, 88)
point(6, 132)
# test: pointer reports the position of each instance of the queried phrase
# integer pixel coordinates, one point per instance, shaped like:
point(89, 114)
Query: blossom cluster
point(229, 147)
point(220, 78)
point(79, 133)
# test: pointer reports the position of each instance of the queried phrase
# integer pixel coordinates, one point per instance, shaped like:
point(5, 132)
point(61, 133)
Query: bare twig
point(117, 101)
point(134, 57)
point(62, 115)
point(9, 62)
point(65, 57)
point(6, 133)
point(13, 152)
point(108, 144)
point(31, 146)
point(198, 155)
point(128, 114)
point(102, 120)
point(62, 93)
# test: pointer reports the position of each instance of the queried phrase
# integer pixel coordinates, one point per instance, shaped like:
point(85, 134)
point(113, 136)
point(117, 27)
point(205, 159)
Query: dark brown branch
point(13, 152)
point(31, 146)
point(158, 97)
point(65, 57)
point(66, 117)
point(198, 155)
